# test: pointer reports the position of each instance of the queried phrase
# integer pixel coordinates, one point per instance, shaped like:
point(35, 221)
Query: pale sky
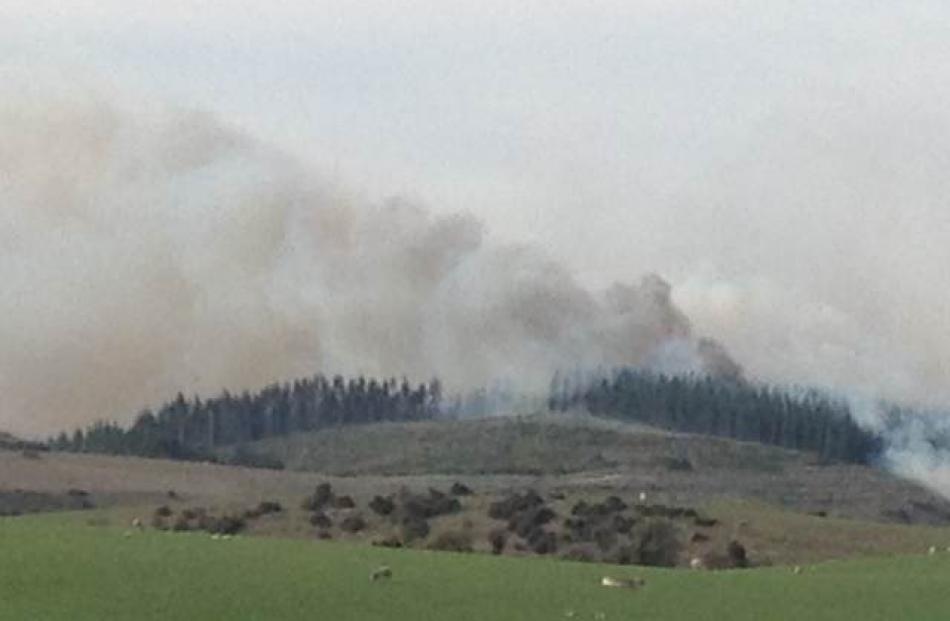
point(783, 164)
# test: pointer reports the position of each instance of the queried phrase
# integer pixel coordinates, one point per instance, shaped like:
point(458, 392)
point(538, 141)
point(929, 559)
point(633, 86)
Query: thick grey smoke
point(149, 251)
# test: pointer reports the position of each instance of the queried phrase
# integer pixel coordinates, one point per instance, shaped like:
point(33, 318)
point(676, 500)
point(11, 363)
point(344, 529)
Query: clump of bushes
point(382, 505)
point(321, 497)
point(353, 523)
point(508, 507)
point(452, 541)
point(343, 502)
point(656, 543)
point(498, 538)
point(321, 520)
point(392, 541)
point(163, 511)
point(414, 528)
point(426, 506)
point(460, 489)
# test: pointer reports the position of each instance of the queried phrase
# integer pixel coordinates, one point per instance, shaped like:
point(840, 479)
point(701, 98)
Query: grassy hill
point(54, 570)
point(582, 452)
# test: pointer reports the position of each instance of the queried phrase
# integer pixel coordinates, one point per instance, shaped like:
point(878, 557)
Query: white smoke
point(145, 251)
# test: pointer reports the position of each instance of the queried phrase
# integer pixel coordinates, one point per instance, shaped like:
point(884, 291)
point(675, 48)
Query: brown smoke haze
point(145, 251)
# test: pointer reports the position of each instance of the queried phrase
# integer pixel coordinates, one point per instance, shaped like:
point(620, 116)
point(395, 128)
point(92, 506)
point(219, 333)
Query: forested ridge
point(192, 428)
point(806, 420)
point(183, 428)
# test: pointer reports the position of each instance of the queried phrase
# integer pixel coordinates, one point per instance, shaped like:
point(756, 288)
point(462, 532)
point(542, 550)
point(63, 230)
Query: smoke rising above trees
point(148, 251)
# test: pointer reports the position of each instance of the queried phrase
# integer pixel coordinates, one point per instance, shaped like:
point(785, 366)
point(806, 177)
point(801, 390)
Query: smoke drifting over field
point(150, 252)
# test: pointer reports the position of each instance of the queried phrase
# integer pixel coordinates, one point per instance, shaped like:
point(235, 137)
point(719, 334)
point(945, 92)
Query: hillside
point(582, 452)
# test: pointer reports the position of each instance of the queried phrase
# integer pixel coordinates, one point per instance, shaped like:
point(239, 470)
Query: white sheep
point(617, 582)
point(932, 550)
point(380, 573)
point(137, 523)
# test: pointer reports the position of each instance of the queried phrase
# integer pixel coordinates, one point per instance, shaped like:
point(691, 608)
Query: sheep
point(617, 582)
point(797, 570)
point(697, 563)
point(643, 497)
point(137, 523)
point(932, 550)
point(380, 573)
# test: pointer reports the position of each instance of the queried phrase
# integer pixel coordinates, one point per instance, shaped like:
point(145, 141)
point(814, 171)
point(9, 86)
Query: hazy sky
point(782, 164)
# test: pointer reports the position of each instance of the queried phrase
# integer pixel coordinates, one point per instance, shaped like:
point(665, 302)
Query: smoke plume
point(145, 251)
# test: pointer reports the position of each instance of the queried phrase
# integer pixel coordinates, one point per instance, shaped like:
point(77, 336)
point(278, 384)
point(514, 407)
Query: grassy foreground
point(51, 568)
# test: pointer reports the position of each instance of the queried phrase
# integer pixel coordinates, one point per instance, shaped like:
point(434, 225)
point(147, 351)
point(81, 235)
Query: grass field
point(55, 568)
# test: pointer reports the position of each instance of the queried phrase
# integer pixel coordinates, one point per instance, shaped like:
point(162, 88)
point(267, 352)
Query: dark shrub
point(353, 523)
point(428, 506)
point(542, 542)
point(343, 502)
point(323, 534)
point(172, 494)
point(580, 508)
point(269, 506)
point(391, 541)
point(452, 541)
point(77, 492)
point(226, 525)
point(699, 537)
point(623, 555)
point(163, 511)
point(579, 529)
point(159, 522)
point(656, 543)
point(498, 538)
point(460, 489)
point(192, 513)
point(323, 494)
point(622, 524)
point(737, 554)
point(181, 524)
point(382, 505)
point(605, 538)
point(556, 495)
point(321, 520)
point(705, 522)
point(508, 507)
point(614, 504)
point(414, 528)
point(525, 522)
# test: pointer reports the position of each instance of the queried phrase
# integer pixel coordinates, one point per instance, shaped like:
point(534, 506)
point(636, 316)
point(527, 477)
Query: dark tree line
point(193, 428)
point(809, 421)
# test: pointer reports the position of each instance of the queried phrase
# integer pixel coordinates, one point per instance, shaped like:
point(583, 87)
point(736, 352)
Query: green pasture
point(54, 567)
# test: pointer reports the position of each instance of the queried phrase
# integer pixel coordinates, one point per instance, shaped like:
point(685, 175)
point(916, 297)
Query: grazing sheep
point(380, 573)
point(617, 582)
point(696, 563)
point(643, 497)
point(137, 523)
point(932, 550)
point(796, 570)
